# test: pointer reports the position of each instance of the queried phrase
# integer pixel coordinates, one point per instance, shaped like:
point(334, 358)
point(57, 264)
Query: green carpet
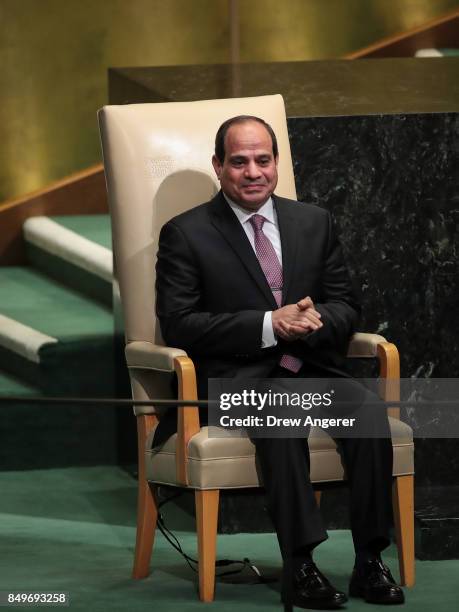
point(39, 302)
point(73, 530)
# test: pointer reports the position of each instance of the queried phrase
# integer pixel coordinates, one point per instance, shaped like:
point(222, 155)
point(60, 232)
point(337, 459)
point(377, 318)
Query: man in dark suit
point(255, 286)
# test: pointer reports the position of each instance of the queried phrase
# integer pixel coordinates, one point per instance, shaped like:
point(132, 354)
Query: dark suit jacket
point(212, 294)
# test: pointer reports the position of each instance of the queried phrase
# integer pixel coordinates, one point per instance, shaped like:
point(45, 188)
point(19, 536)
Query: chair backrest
point(157, 161)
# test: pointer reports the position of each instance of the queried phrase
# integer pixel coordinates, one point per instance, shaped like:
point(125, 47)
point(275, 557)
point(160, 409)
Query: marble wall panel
point(392, 185)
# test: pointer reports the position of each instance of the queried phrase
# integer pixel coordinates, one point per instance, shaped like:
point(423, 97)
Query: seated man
point(255, 285)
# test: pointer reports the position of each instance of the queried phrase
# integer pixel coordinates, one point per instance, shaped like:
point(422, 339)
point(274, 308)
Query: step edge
point(22, 339)
point(57, 240)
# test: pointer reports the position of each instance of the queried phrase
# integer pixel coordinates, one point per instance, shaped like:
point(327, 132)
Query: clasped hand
point(296, 320)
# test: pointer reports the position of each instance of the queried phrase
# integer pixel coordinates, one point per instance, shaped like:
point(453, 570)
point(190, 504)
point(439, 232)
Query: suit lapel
point(288, 234)
point(228, 225)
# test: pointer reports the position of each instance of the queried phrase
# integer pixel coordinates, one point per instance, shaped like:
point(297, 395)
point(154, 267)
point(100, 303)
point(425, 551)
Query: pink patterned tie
point(273, 271)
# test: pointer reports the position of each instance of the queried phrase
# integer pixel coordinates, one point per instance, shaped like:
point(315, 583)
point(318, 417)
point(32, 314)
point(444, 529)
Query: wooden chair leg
point(403, 503)
point(318, 496)
point(147, 514)
point(206, 524)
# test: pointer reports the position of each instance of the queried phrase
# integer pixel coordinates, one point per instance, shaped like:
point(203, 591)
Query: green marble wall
point(55, 55)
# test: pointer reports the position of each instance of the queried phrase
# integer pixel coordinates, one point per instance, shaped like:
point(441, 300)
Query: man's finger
point(305, 303)
point(301, 327)
point(307, 318)
point(299, 331)
point(284, 331)
point(313, 318)
point(315, 312)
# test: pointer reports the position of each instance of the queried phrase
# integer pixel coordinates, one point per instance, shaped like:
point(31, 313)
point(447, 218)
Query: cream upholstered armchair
point(158, 163)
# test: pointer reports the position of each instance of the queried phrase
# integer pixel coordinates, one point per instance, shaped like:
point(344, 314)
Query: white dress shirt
point(271, 229)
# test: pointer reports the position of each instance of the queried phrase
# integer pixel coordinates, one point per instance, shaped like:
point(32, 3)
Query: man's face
point(248, 174)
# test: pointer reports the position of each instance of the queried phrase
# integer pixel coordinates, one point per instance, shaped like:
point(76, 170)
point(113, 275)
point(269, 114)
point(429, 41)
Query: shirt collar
point(266, 210)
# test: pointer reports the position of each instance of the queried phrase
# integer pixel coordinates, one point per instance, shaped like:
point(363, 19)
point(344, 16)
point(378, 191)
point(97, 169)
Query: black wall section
point(392, 185)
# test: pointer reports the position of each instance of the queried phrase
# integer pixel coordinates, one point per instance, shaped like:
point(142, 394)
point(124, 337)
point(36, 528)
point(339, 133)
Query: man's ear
point(217, 166)
point(276, 159)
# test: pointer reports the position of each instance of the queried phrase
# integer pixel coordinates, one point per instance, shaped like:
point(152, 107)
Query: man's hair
point(222, 130)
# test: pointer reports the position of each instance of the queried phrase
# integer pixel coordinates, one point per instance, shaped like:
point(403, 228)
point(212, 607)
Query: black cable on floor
point(174, 542)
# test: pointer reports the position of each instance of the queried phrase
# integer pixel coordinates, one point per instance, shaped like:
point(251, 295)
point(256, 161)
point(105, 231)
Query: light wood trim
point(403, 503)
point(206, 525)
point(389, 361)
point(81, 193)
point(187, 417)
point(440, 32)
point(318, 496)
point(147, 512)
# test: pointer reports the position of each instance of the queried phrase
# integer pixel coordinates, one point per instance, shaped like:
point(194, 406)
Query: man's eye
point(237, 163)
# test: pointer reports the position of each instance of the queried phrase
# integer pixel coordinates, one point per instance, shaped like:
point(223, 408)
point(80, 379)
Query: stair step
point(48, 435)
point(75, 250)
point(54, 337)
point(31, 298)
point(96, 228)
point(430, 52)
point(22, 339)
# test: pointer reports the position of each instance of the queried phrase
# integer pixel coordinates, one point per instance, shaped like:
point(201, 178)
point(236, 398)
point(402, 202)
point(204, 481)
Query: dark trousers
point(284, 464)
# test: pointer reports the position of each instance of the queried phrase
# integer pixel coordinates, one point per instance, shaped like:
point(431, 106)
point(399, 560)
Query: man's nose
point(252, 170)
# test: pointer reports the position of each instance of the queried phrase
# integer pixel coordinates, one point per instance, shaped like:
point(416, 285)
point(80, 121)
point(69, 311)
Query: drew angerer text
point(273, 421)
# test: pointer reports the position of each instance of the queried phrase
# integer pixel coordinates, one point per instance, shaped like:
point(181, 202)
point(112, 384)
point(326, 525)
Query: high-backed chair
point(158, 163)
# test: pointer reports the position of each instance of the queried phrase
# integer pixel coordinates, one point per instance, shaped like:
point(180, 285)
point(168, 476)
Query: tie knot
point(257, 221)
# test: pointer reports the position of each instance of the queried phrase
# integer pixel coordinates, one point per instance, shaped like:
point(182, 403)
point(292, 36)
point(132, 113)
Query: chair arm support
point(187, 417)
point(389, 364)
point(147, 356)
point(373, 345)
point(142, 355)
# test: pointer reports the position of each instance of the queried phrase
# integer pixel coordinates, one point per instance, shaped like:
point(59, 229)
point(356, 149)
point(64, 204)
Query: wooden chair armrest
point(364, 345)
point(147, 356)
point(373, 345)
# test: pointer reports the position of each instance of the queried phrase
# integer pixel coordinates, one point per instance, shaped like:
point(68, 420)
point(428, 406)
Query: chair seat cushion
point(229, 462)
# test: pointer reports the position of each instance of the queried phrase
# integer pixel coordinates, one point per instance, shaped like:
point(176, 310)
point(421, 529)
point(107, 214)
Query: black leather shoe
point(311, 590)
point(375, 584)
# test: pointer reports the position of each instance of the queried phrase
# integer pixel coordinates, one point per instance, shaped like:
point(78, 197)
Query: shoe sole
point(356, 592)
